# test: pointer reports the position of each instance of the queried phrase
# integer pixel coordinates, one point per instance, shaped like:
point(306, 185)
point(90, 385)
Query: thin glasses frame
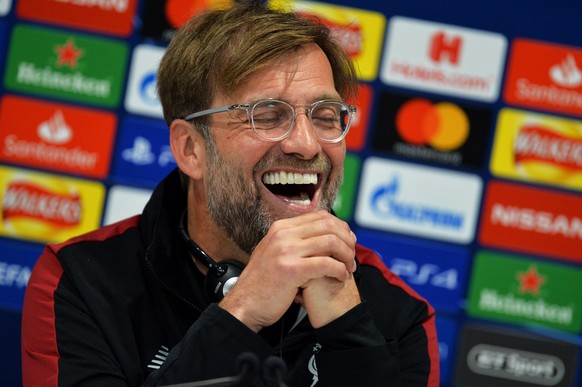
point(249, 108)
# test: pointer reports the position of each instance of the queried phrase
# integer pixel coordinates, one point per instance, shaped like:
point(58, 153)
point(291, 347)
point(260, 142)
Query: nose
point(301, 142)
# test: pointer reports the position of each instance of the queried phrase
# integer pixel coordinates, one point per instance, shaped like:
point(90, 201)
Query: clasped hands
point(308, 259)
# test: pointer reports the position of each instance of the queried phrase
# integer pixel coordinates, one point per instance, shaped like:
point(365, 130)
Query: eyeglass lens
point(273, 119)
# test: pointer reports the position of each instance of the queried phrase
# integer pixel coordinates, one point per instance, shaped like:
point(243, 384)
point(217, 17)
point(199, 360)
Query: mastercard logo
point(444, 125)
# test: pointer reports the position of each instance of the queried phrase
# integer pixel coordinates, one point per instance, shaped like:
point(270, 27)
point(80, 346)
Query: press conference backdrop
point(464, 166)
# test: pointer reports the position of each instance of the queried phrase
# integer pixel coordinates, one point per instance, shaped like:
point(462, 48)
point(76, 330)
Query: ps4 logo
point(141, 154)
point(425, 274)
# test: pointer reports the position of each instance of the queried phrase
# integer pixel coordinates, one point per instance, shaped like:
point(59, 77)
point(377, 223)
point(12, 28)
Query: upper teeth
point(282, 177)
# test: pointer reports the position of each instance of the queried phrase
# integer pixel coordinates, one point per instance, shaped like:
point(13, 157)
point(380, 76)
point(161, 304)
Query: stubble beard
point(237, 206)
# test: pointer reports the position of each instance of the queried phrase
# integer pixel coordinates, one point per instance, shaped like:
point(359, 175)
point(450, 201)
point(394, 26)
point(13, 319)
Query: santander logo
point(55, 130)
point(566, 73)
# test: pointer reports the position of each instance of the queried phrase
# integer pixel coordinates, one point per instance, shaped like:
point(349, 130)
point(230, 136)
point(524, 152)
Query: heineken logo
point(524, 291)
point(530, 281)
point(66, 65)
point(68, 54)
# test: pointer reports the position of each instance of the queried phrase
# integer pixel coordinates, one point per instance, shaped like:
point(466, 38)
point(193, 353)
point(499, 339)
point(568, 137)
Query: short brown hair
point(218, 50)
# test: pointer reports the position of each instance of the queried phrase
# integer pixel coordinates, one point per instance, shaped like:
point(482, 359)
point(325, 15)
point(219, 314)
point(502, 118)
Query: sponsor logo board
point(161, 18)
point(5, 6)
point(66, 65)
point(525, 291)
point(16, 265)
point(344, 202)
point(143, 151)
point(112, 16)
point(356, 137)
point(447, 335)
point(359, 31)
point(537, 221)
point(56, 136)
point(438, 272)
point(418, 200)
point(44, 207)
point(538, 148)
point(124, 202)
point(545, 76)
point(3, 38)
point(142, 94)
point(501, 357)
point(443, 59)
point(431, 130)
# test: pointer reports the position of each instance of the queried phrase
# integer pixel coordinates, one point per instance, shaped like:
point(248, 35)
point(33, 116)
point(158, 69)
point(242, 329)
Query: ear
point(188, 148)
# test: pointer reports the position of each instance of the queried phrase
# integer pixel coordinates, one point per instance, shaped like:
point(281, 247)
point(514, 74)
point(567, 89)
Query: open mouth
point(297, 188)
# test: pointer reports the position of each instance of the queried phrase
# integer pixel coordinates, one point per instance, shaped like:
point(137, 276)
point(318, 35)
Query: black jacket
point(124, 306)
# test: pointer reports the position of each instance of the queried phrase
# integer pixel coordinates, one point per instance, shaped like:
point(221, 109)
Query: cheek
point(336, 154)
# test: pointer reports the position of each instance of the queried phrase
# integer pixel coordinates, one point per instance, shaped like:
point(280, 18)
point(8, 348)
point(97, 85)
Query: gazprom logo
point(142, 95)
point(387, 204)
point(147, 89)
point(418, 200)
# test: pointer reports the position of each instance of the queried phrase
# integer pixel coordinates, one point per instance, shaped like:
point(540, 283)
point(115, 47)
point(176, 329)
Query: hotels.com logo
point(442, 46)
point(545, 76)
point(443, 59)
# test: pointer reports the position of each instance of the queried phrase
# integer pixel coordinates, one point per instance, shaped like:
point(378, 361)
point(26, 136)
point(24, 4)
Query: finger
point(328, 245)
point(317, 224)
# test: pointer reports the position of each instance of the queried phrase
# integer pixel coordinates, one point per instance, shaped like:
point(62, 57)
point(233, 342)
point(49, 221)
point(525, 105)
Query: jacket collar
point(166, 254)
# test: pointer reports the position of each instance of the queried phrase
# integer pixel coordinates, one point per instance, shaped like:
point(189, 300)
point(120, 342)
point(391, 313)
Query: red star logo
point(68, 54)
point(531, 280)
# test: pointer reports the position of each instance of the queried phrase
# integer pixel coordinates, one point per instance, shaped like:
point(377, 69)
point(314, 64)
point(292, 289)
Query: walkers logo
point(161, 18)
point(538, 148)
point(524, 291)
point(545, 76)
point(533, 221)
point(15, 268)
point(5, 6)
point(344, 203)
point(359, 31)
point(417, 200)
point(356, 138)
point(443, 59)
point(424, 129)
point(47, 208)
point(59, 137)
point(489, 357)
point(64, 65)
point(142, 94)
point(438, 273)
point(144, 154)
point(112, 16)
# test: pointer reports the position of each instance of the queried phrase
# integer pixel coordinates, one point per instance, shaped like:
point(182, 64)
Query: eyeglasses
point(273, 120)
